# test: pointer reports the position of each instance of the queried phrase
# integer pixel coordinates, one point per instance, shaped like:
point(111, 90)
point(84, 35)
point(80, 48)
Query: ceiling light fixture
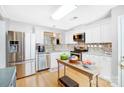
point(62, 11)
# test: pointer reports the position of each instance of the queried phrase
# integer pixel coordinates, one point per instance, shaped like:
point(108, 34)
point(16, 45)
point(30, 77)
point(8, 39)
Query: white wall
point(116, 12)
point(2, 44)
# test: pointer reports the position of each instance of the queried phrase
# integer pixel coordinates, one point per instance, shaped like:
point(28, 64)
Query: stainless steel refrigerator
point(21, 52)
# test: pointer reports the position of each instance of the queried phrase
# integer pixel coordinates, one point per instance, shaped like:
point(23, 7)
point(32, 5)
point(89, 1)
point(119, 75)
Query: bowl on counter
point(88, 64)
point(73, 59)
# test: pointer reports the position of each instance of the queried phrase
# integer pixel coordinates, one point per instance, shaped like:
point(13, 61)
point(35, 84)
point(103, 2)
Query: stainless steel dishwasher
point(42, 61)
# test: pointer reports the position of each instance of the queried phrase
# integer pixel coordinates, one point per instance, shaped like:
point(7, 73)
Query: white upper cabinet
point(106, 32)
point(89, 36)
point(93, 35)
point(69, 38)
point(29, 45)
point(96, 36)
point(99, 32)
point(39, 36)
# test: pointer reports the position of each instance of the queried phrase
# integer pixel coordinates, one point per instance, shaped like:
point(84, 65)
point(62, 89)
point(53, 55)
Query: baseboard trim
point(114, 85)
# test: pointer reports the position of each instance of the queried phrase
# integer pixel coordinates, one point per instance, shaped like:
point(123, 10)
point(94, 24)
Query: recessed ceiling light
point(75, 17)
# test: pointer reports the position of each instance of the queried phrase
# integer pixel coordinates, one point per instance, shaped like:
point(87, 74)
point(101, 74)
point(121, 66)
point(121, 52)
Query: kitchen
point(33, 48)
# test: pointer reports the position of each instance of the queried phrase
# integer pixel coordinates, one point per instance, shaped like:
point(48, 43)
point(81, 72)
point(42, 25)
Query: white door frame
point(120, 44)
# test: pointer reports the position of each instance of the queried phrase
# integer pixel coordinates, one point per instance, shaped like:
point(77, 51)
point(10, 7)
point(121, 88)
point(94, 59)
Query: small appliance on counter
point(41, 58)
point(40, 48)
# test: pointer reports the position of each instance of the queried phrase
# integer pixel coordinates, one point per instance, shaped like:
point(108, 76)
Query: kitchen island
point(91, 73)
point(8, 77)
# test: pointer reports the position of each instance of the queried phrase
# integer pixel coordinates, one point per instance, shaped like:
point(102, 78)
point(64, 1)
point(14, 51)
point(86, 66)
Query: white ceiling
point(41, 15)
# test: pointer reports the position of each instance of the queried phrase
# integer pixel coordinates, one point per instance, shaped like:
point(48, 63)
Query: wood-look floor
point(49, 79)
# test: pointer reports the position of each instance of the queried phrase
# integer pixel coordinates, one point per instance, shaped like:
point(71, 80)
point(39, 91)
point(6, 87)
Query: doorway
point(121, 50)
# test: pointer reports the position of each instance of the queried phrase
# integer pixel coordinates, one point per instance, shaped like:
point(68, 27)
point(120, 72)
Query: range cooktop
point(79, 51)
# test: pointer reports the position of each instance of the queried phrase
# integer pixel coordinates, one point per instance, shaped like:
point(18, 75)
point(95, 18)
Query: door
point(121, 50)
point(2, 44)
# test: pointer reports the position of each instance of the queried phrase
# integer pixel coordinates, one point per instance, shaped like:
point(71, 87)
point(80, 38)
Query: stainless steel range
point(21, 52)
point(78, 52)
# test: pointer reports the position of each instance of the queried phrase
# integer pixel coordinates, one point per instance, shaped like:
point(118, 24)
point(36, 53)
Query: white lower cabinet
point(122, 77)
point(103, 62)
point(53, 62)
point(53, 57)
point(33, 70)
point(105, 67)
point(30, 68)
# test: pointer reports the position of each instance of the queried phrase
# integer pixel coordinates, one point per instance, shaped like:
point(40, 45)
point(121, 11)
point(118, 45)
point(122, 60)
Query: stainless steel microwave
point(79, 37)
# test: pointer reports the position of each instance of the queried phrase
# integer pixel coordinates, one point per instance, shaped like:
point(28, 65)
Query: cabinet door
point(54, 56)
point(28, 68)
point(96, 34)
point(89, 36)
point(106, 32)
point(39, 36)
point(32, 46)
point(93, 35)
point(69, 38)
point(33, 67)
point(106, 67)
point(27, 45)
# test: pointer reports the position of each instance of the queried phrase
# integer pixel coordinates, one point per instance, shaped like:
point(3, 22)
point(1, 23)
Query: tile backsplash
point(92, 47)
point(62, 47)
